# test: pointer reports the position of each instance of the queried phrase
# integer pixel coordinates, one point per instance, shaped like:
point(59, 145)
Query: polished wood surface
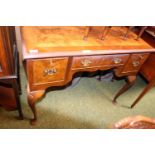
point(52, 55)
point(135, 122)
point(67, 41)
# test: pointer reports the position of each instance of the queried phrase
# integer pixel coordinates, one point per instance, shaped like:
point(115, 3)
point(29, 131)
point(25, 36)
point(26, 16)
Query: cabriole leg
point(33, 97)
point(130, 82)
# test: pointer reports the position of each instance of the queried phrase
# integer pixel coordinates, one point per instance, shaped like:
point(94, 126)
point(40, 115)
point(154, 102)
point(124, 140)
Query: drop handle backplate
point(86, 62)
point(117, 60)
point(136, 63)
point(50, 71)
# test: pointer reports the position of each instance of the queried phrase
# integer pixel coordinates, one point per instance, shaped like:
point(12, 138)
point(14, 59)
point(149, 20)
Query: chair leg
point(127, 33)
point(105, 32)
point(86, 33)
point(141, 32)
point(145, 90)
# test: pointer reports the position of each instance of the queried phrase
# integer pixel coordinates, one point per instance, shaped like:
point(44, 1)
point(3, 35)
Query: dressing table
point(52, 55)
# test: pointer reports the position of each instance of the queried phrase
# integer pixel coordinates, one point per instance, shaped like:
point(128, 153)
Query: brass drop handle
point(117, 60)
point(50, 71)
point(86, 62)
point(136, 63)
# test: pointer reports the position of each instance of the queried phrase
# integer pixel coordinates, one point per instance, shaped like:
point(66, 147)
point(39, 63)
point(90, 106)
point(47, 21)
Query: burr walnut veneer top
point(68, 40)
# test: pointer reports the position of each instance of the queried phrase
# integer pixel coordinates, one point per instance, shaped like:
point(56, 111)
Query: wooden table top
point(68, 40)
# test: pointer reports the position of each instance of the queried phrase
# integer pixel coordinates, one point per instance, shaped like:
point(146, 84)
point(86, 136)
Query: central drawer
point(49, 70)
point(81, 62)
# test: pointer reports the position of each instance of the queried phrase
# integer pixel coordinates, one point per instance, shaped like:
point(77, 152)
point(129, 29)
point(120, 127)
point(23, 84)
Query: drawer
point(135, 62)
point(49, 70)
point(81, 62)
point(114, 60)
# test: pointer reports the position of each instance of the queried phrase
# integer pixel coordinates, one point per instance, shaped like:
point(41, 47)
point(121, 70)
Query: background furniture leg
point(18, 74)
point(130, 82)
point(141, 32)
point(86, 33)
point(16, 87)
point(145, 90)
point(105, 32)
point(127, 33)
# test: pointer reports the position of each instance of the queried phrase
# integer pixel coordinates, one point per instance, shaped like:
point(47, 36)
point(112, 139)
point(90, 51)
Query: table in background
point(9, 71)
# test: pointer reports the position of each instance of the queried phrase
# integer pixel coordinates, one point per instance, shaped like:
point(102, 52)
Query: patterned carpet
point(86, 105)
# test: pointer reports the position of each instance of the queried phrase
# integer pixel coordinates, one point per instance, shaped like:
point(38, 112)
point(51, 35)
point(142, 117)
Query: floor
point(86, 105)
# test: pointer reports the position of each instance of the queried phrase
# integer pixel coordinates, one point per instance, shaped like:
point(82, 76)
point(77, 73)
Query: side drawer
point(48, 70)
point(135, 62)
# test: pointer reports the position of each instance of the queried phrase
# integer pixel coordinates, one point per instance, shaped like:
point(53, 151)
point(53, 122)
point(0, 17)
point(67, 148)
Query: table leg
point(33, 97)
point(145, 90)
point(130, 82)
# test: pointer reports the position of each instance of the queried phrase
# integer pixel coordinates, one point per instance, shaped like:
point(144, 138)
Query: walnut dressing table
point(52, 55)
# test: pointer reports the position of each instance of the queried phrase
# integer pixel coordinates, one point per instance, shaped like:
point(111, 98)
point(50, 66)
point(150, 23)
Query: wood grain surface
point(68, 40)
